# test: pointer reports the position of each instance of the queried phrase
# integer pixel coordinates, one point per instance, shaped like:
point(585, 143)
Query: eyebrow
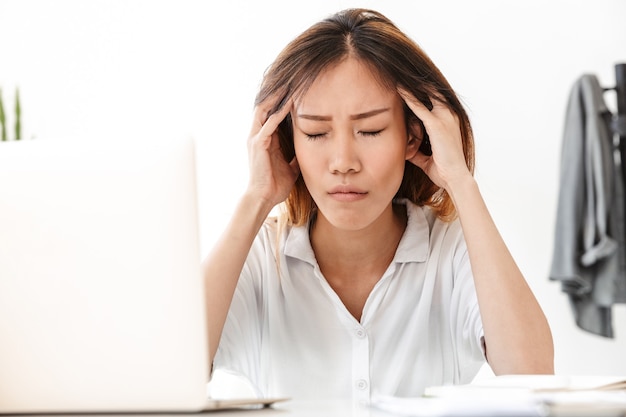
point(358, 116)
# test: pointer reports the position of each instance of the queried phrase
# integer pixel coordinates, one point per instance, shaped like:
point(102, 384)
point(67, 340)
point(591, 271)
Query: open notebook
point(517, 395)
point(101, 295)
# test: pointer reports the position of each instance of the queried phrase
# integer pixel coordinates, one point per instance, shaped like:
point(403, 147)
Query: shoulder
point(444, 236)
point(423, 219)
point(277, 237)
point(268, 236)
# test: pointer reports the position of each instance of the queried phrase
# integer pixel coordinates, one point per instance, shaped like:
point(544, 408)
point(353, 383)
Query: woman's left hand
point(447, 163)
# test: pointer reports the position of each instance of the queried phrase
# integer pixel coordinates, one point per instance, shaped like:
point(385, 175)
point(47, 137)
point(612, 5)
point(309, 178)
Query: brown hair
point(373, 39)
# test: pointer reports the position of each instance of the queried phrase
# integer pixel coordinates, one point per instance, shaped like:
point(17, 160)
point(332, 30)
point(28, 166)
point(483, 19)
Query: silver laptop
point(101, 295)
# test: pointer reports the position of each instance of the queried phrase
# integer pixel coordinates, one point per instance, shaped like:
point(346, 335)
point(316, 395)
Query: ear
point(412, 147)
point(416, 135)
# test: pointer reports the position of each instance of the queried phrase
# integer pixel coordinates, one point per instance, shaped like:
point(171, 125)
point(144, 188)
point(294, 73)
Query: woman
point(385, 274)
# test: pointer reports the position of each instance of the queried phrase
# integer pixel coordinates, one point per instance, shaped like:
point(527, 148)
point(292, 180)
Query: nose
point(344, 157)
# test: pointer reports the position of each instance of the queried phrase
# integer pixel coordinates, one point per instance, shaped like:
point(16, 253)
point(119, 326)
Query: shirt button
point(360, 333)
point(361, 384)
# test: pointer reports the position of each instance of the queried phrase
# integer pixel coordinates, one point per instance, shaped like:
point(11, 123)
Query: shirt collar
point(413, 247)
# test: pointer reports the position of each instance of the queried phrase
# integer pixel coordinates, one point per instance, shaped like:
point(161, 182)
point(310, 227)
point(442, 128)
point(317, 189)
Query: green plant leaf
point(18, 115)
point(2, 119)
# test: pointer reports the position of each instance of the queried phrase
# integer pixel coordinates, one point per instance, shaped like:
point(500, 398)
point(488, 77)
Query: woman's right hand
point(271, 176)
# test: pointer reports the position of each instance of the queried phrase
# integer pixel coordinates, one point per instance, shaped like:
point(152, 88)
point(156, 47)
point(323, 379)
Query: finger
point(439, 112)
point(417, 107)
point(272, 122)
point(420, 160)
point(262, 111)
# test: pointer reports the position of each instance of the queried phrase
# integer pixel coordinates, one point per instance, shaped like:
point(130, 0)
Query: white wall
point(123, 69)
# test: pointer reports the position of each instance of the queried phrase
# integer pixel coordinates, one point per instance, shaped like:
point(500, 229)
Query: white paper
point(514, 395)
point(459, 407)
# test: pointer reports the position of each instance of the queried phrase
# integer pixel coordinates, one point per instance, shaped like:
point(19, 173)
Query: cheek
point(387, 165)
point(300, 154)
point(391, 152)
point(306, 161)
point(390, 161)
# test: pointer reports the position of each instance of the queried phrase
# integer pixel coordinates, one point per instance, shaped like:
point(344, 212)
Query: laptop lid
point(101, 295)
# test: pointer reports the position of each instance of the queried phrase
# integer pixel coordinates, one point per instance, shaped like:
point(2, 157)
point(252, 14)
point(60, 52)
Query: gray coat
point(589, 257)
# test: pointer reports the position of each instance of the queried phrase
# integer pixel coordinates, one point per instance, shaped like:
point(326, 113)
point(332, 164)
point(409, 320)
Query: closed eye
point(314, 136)
point(368, 133)
point(371, 133)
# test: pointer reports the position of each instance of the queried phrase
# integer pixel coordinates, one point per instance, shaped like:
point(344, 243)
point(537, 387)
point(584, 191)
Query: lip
point(347, 193)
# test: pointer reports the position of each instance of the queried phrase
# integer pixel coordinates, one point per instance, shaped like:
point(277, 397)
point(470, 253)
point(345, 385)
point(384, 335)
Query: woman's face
point(351, 144)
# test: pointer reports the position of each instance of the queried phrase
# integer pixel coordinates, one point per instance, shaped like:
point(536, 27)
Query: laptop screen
point(101, 296)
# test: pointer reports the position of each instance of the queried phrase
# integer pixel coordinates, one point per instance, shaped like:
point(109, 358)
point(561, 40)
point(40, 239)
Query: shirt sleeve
point(239, 349)
point(466, 322)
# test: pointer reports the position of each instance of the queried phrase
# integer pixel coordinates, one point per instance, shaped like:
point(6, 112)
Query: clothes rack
point(619, 121)
point(589, 257)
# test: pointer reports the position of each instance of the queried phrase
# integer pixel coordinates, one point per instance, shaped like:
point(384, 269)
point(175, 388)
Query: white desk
point(306, 409)
point(284, 409)
point(334, 409)
point(346, 409)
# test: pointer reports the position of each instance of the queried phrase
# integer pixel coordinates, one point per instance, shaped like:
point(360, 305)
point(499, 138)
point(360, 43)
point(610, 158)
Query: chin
point(351, 219)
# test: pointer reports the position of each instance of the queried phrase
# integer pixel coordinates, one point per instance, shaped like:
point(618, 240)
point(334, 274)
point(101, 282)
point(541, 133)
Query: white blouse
point(291, 336)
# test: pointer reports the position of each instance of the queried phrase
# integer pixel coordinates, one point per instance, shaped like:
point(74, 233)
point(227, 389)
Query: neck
point(353, 250)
